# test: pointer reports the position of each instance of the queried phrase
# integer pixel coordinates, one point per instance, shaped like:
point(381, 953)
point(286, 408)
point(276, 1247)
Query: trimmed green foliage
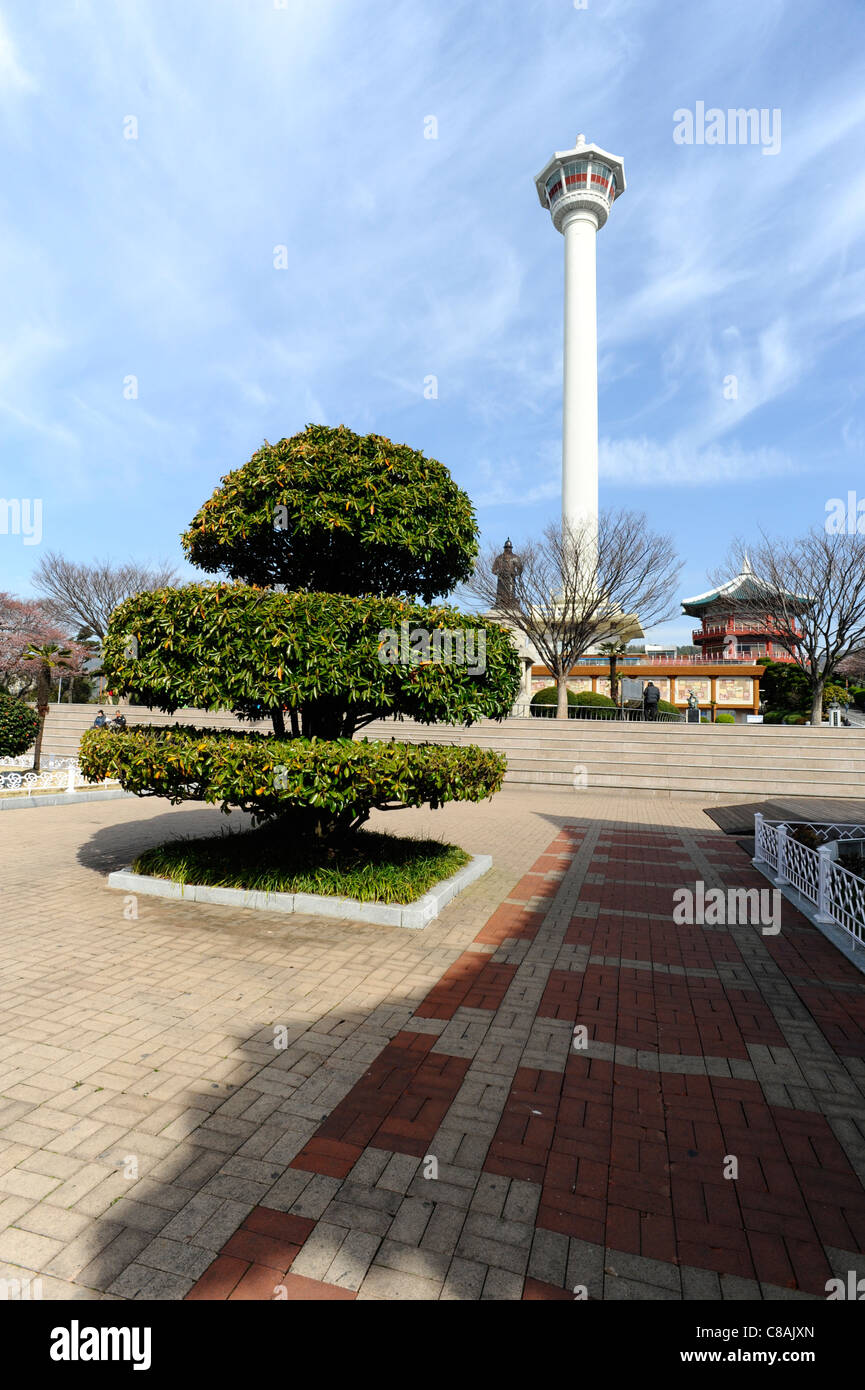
point(227, 646)
point(323, 788)
point(833, 691)
point(665, 707)
point(799, 718)
point(725, 717)
point(593, 700)
point(362, 515)
point(19, 725)
point(550, 696)
point(350, 529)
point(369, 868)
point(784, 686)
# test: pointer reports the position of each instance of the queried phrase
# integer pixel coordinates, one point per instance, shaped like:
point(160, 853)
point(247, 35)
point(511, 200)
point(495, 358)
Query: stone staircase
point(710, 761)
point(664, 759)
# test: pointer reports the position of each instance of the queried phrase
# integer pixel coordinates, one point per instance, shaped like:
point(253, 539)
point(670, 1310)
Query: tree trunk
point(562, 698)
point(614, 680)
point(43, 692)
point(817, 703)
point(42, 711)
point(278, 722)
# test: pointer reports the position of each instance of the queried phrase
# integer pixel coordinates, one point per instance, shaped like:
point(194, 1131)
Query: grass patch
point(372, 868)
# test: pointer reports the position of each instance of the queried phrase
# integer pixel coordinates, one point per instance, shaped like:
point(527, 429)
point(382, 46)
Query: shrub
point(665, 707)
point(725, 717)
point(833, 691)
point(19, 725)
point(784, 686)
point(773, 716)
point(550, 696)
point(317, 787)
point(797, 718)
point(594, 700)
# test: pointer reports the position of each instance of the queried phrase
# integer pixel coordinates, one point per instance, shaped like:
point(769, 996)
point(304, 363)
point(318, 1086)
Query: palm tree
point(613, 650)
point(50, 657)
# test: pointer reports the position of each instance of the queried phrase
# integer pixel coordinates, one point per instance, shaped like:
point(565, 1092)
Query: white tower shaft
point(580, 396)
point(579, 187)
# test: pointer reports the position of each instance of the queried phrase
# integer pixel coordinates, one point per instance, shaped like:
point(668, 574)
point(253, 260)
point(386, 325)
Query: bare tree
point(576, 586)
point(811, 591)
point(83, 597)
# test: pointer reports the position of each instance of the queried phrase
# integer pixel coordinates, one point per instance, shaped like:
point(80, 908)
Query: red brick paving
point(625, 1157)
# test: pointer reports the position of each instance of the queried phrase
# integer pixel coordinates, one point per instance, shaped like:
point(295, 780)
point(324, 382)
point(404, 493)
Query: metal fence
point(836, 892)
point(526, 710)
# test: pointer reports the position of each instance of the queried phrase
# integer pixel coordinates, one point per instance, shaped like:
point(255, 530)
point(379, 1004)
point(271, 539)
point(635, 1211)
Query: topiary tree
point(336, 662)
point(337, 512)
point(783, 686)
point(19, 725)
point(327, 539)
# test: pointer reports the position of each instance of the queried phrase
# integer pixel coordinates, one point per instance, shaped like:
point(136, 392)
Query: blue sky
point(302, 125)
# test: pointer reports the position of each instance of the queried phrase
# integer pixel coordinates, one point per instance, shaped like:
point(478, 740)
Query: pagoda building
point(736, 625)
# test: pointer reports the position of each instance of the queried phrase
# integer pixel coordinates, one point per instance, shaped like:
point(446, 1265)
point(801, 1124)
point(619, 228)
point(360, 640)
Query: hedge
point(321, 787)
point(19, 725)
point(725, 717)
point(550, 696)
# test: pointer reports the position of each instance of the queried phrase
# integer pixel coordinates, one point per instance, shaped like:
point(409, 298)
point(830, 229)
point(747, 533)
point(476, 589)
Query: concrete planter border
point(415, 915)
point(18, 803)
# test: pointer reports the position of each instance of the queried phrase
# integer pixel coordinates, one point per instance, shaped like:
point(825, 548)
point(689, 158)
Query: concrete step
point(680, 759)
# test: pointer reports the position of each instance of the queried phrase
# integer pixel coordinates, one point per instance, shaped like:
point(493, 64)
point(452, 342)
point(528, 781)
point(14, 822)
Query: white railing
point(55, 775)
point(50, 761)
point(837, 894)
point(63, 779)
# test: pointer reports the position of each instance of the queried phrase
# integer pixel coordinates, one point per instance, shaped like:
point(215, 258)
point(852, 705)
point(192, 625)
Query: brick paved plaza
point(200, 1103)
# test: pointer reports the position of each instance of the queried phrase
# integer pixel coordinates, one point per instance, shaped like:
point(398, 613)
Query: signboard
point(734, 690)
point(701, 686)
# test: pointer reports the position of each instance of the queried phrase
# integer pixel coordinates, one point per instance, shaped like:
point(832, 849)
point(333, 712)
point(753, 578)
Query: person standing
point(651, 696)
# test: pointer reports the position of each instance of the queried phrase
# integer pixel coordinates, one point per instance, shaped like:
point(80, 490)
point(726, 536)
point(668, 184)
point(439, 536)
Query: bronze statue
point(506, 567)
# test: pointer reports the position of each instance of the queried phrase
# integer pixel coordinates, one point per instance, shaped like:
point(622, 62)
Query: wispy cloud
point(408, 257)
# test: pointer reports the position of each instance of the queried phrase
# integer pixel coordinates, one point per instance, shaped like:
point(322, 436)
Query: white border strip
point(413, 915)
